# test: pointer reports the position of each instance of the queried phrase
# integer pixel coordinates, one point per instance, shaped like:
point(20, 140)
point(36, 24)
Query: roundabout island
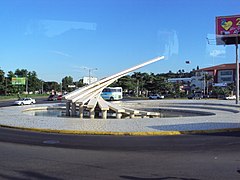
point(86, 112)
point(176, 117)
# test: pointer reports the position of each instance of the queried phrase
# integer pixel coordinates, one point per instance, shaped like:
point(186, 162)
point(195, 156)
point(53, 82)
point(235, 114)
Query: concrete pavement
point(219, 115)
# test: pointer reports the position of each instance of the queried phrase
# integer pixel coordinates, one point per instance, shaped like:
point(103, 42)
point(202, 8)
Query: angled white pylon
point(91, 92)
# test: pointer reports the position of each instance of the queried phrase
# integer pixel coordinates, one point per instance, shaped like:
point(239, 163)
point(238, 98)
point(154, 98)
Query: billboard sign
point(18, 81)
point(227, 29)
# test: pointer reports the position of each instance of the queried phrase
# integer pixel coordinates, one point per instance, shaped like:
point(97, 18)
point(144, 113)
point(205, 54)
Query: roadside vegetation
point(136, 85)
point(16, 96)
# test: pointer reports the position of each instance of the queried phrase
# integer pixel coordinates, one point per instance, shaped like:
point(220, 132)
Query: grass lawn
point(15, 97)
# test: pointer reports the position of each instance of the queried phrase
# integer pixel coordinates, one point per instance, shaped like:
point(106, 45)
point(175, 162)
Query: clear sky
point(57, 38)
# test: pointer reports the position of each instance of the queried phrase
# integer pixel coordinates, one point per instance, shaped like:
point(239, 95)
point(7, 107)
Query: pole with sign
point(18, 81)
point(237, 73)
point(227, 33)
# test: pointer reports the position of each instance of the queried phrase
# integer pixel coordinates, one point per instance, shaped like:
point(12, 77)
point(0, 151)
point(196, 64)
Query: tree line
point(136, 84)
point(33, 83)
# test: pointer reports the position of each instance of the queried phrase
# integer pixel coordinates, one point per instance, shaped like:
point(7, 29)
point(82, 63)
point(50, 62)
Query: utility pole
point(137, 87)
point(61, 87)
point(26, 85)
point(42, 87)
point(237, 72)
point(89, 73)
point(204, 84)
point(6, 85)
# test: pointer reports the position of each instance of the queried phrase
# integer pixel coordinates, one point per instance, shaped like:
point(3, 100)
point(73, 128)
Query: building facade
point(89, 80)
point(220, 75)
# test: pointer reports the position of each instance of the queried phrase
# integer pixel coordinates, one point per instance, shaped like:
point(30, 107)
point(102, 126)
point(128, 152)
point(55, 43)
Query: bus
point(112, 93)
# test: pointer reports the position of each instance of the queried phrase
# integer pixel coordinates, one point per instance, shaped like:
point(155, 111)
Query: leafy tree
point(221, 91)
point(138, 81)
point(66, 81)
point(10, 87)
point(79, 83)
point(168, 88)
point(51, 86)
point(21, 73)
point(33, 83)
point(2, 82)
point(127, 83)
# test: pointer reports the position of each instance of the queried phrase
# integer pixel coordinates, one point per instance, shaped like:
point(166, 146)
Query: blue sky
point(57, 38)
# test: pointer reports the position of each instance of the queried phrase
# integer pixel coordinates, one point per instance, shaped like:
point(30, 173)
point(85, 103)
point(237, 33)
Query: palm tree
point(206, 79)
point(138, 76)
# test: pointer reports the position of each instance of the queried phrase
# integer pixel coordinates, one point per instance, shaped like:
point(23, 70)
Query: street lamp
point(89, 73)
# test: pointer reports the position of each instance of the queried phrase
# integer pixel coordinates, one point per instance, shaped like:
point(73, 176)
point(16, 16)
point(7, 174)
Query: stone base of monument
point(109, 111)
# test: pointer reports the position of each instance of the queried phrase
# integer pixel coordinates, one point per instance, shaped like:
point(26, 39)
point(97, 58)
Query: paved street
point(32, 155)
point(37, 155)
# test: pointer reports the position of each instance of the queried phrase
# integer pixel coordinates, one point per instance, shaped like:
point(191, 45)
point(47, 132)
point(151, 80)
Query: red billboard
point(227, 29)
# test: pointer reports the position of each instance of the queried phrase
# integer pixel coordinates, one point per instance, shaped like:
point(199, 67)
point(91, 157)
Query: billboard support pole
point(27, 85)
point(237, 73)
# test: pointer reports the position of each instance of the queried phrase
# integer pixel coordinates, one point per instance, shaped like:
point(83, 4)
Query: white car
point(230, 97)
point(25, 101)
point(156, 96)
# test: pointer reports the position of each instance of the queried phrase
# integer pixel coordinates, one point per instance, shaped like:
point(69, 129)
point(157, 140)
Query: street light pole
point(237, 73)
point(26, 85)
point(6, 86)
point(89, 76)
point(89, 73)
point(204, 83)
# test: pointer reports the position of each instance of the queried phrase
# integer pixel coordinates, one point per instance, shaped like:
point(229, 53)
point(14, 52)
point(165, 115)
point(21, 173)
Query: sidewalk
point(226, 118)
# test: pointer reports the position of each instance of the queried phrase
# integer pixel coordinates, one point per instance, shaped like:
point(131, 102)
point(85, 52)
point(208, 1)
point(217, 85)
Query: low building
point(220, 75)
point(177, 80)
point(184, 83)
point(89, 80)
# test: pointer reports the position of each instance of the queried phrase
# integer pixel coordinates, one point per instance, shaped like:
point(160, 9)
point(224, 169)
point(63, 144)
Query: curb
point(150, 133)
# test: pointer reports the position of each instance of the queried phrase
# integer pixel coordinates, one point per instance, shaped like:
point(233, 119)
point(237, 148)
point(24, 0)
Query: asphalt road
point(31, 155)
point(38, 101)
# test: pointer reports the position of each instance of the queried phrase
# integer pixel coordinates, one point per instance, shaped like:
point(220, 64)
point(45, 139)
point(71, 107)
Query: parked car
point(25, 101)
point(156, 96)
point(230, 97)
point(54, 97)
point(195, 96)
point(59, 97)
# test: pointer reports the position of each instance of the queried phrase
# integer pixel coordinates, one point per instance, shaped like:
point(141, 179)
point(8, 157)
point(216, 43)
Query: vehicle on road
point(230, 97)
point(59, 97)
point(156, 96)
point(112, 93)
point(55, 97)
point(25, 101)
point(196, 96)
